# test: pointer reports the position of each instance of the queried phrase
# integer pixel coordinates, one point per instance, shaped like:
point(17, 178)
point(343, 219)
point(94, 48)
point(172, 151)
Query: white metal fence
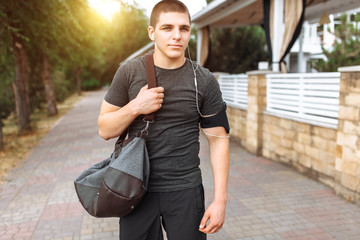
point(234, 88)
point(305, 97)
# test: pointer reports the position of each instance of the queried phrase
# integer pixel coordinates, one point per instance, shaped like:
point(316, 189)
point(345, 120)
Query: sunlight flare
point(106, 8)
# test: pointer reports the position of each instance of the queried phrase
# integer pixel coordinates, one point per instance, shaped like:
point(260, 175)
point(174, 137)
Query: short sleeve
point(213, 101)
point(118, 90)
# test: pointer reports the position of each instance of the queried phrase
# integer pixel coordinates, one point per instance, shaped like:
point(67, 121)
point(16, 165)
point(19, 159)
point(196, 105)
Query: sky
point(193, 5)
point(108, 7)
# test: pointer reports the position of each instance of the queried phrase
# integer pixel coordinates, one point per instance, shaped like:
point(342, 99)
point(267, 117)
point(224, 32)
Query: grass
point(17, 147)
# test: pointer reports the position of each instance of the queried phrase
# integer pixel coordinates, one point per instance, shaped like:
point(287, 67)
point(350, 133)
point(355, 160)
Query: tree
point(346, 49)
point(6, 76)
point(126, 34)
point(52, 33)
point(10, 15)
point(53, 44)
point(55, 33)
point(236, 50)
point(93, 38)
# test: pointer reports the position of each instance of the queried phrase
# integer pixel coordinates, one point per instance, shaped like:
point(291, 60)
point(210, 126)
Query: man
point(175, 197)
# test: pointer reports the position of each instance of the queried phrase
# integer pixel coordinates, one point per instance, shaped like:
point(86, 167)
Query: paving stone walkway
point(266, 199)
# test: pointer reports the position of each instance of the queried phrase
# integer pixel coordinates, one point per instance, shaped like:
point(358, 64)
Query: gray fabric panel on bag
point(92, 176)
point(146, 169)
point(132, 159)
point(88, 193)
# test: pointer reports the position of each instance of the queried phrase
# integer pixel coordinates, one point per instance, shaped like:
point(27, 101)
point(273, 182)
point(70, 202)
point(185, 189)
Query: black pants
point(179, 212)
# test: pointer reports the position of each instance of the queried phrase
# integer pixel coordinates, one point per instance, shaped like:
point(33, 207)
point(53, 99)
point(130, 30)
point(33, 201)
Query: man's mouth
point(175, 45)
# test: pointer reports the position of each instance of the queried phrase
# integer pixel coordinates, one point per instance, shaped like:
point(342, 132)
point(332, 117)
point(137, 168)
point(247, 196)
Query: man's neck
point(168, 63)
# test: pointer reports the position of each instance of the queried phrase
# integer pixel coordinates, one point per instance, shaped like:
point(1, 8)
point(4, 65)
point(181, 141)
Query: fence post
point(256, 106)
point(347, 166)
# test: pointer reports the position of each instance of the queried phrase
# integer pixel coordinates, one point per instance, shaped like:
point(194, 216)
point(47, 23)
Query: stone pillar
point(256, 106)
point(347, 164)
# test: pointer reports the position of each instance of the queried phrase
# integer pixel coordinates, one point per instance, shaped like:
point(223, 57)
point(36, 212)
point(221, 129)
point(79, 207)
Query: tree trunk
point(20, 84)
point(1, 136)
point(48, 85)
point(78, 79)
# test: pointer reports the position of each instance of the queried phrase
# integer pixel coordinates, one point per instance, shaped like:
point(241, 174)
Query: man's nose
point(176, 34)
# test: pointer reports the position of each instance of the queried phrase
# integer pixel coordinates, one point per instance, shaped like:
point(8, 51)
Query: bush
point(90, 84)
point(346, 50)
point(7, 102)
point(63, 86)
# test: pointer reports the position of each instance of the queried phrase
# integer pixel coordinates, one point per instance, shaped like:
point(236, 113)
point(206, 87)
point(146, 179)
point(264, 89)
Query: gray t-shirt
point(173, 140)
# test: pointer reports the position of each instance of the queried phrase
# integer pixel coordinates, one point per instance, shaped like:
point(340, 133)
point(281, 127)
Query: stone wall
point(310, 149)
point(237, 121)
point(347, 167)
point(256, 106)
point(330, 155)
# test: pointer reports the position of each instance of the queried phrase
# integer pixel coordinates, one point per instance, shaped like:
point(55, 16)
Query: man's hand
point(148, 100)
point(215, 214)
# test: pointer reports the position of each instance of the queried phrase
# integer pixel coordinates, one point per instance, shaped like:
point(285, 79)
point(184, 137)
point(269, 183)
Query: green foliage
point(7, 104)
point(192, 45)
point(126, 34)
point(36, 88)
point(237, 50)
point(64, 86)
point(89, 82)
point(346, 49)
point(72, 35)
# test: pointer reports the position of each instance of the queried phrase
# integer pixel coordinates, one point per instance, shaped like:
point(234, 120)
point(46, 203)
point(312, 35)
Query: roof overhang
point(316, 8)
point(237, 13)
point(224, 13)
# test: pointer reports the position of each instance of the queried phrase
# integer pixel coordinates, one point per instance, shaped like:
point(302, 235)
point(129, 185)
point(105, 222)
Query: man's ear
point(151, 33)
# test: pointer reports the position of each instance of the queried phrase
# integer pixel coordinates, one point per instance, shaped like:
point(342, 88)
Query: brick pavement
point(266, 199)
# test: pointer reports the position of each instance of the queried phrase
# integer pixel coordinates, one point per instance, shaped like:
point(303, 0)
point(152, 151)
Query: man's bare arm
point(113, 120)
point(220, 163)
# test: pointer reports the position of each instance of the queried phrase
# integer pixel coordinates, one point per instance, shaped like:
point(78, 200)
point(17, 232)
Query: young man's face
point(171, 35)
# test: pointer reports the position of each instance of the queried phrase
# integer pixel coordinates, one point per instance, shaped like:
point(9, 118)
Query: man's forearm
point(114, 120)
point(220, 163)
point(113, 124)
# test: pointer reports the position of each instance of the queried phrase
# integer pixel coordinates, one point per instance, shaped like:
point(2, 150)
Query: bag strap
point(151, 81)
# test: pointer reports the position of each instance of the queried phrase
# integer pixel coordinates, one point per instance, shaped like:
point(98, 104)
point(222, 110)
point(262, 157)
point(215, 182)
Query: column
point(347, 166)
point(256, 106)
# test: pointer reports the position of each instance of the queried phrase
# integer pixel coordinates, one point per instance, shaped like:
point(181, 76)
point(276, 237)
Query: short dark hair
point(166, 6)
